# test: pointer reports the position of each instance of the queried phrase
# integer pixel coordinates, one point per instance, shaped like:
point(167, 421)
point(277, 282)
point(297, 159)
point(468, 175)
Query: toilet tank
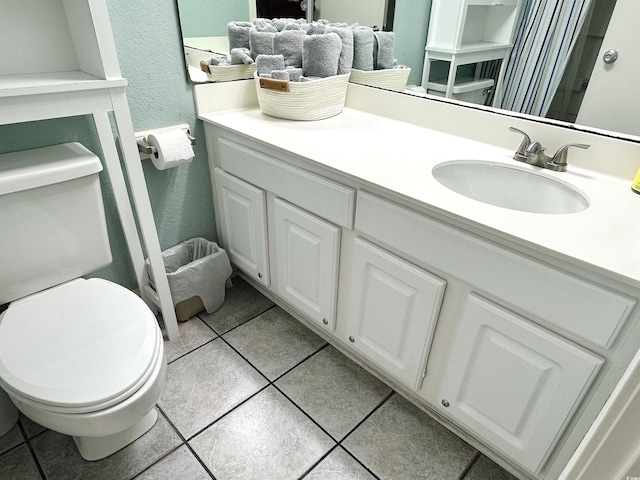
point(52, 221)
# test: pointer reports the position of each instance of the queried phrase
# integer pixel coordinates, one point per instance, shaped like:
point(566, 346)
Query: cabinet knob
point(352, 340)
point(445, 403)
point(325, 321)
point(259, 275)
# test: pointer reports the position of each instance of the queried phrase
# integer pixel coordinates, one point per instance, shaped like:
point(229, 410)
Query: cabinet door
point(307, 252)
point(513, 383)
point(242, 211)
point(393, 310)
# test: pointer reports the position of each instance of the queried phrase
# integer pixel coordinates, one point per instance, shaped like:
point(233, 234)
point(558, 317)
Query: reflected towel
point(321, 54)
point(346, 55)
point(288, 43)
point(238, 34)
point(384, 50)
point(363, 48)
point(240, 56)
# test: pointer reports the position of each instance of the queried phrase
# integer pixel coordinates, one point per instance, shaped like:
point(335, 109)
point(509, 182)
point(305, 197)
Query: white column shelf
point(80, 75)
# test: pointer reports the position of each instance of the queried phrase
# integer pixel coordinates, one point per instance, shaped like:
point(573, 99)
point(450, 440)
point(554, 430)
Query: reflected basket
point(390, 79)
point(314, 100)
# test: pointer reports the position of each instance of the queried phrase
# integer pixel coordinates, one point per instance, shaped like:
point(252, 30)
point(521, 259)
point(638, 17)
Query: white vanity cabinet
point(243, 224)
point(307, 253)
point(512, 383)
point(281, 225)
point(393, 310)
point(515, 349)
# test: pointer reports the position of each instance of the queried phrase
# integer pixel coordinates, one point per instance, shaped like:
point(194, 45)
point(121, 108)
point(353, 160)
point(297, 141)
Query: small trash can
point(197, 272)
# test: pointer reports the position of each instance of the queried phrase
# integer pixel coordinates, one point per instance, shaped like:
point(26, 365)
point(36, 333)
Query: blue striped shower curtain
point(543, 43)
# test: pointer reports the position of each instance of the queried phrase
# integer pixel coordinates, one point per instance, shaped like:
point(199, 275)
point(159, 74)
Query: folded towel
point(264, 25)
point(268, 63)
point(238, 34)
point(362, 48)
point(308, 79)
point(280, 75)
point(240, 56)
point(292, 26)
point(321, 54)
point(346, 54)
point(314, 28)
point(294, 74)
point(288, 43)
point(383, 50)
point(260, 43)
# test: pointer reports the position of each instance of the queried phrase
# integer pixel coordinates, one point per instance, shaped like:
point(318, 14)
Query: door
point(307, 253)
point(612, 97)
point(513, 383)
point(243, 224)
point(393, 310)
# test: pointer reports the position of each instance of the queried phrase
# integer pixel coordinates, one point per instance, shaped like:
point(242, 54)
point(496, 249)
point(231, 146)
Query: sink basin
point(509, 187)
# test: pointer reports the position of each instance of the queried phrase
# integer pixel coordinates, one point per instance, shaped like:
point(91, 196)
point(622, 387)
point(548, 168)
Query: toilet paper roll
point(173, 148)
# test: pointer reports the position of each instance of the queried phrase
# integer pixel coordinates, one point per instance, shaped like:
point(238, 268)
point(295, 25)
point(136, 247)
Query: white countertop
point(398, 157)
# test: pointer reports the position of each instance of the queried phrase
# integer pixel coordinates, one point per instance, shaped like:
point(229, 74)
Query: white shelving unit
point(463, 32)
point(60, 60)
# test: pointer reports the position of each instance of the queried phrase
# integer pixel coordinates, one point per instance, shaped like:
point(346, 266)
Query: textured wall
point(209, 18)
point(150, 53)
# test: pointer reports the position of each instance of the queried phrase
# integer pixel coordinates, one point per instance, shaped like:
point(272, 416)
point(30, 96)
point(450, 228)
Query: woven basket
point(312, 100)
point(227, 73)
point(390, 79)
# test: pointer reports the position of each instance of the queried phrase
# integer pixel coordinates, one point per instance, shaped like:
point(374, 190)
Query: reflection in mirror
point(553, 66)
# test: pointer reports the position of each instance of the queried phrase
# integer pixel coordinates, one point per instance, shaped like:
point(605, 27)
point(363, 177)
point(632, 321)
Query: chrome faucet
point(533, 153)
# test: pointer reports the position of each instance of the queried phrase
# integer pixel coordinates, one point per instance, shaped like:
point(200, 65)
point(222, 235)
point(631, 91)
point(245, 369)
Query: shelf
point(53, 82)
point(469, 48)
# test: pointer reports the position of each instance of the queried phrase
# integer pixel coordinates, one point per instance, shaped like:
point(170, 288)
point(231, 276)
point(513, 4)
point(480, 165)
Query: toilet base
point(96, 448)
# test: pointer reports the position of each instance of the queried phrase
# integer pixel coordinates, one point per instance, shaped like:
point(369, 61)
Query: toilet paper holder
point(146, 150)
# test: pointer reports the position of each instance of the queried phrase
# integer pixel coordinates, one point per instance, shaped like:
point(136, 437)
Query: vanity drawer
point(327, 199)
point(582, 308)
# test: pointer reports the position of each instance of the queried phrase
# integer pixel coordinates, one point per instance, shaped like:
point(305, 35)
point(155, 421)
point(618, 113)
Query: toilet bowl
point(85, 358)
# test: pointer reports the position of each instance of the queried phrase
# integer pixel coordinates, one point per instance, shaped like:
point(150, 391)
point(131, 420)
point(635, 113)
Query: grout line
point(185, 443)
point(468, 468)
point(31, 449)
point(310, 469)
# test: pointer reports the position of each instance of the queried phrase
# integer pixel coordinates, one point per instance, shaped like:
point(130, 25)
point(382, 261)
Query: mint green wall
point(410, 25)
point(150, 53)
point(209, 18)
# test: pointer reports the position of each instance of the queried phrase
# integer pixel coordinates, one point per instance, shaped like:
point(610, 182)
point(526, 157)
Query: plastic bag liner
point(196, 267)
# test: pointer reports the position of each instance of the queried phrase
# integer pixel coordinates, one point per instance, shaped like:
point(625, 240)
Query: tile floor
point(252, 394)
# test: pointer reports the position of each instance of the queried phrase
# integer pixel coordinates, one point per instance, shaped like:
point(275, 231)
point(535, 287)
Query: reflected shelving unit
point(463, 32)
point(60, 61)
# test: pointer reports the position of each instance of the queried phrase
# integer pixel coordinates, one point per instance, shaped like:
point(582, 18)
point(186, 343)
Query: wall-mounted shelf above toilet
point(61, 61)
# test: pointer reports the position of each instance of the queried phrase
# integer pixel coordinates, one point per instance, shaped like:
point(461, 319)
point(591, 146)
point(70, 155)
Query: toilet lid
point(79, 344)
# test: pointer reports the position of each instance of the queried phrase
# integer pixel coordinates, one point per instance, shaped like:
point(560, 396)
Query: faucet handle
point(560, 158)
point(526, 141)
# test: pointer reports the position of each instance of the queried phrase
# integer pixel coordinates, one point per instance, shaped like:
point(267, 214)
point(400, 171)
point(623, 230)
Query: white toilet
point(81, 357)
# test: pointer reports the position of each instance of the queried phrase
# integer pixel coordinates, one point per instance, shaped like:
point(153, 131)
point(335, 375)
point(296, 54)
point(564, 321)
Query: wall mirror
point(561, 65)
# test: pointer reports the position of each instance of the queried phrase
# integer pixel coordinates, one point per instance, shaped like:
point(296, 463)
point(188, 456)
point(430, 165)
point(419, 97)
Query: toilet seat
point(78, 347)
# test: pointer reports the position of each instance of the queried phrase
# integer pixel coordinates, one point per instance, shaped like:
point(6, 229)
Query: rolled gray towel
point(314, 28)
point(281, 23)
point(321, 54)
point(280, 75)
point(346, 55)
point(238, 34)
point(260, 43)
point(268, 63)
point(383, 50)
point(294, 74)
point(240, 56)
point(363, 48)
point(292, 26)
point(264, 25)
point(288, 43)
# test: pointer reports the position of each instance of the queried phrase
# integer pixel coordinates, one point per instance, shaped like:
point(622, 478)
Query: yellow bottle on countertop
point(635, 186)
